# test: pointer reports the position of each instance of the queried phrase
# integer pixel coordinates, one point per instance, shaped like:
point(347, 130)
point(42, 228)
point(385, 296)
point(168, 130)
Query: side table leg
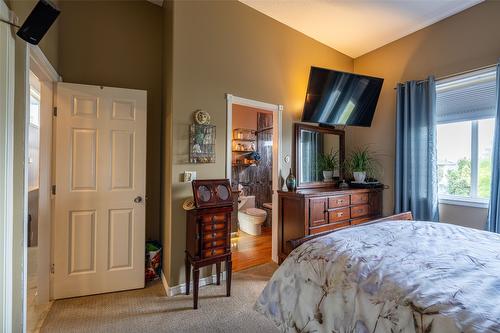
point(229, 268)
point(217, 270)
point(188, 274)
point(196, 280)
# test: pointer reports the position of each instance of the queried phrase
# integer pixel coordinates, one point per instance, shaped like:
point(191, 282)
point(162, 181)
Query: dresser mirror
point(314, 145)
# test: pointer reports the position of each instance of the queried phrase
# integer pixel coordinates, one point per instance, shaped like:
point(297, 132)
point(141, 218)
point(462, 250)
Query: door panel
point(99, 230)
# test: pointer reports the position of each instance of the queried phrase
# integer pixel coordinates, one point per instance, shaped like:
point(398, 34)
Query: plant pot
point(359, 176)
point(327, 176)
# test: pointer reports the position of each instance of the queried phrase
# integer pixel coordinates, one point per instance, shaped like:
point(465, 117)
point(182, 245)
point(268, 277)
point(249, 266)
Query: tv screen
point(338, 98)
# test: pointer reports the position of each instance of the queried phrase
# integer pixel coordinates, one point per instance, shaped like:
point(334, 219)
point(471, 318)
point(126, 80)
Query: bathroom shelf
point(246, 140)
point(244, 151)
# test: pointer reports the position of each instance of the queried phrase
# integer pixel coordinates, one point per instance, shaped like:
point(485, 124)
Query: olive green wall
point(120, 44)
point(224, 47)
point(464, 41)
point(49, 43)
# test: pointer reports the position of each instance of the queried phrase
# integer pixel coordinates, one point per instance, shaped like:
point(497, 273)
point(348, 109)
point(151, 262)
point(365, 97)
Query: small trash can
point(153, 261)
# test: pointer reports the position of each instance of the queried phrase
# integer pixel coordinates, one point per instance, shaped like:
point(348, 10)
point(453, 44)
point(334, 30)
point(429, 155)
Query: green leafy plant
point(328, 161)
point(361, 159)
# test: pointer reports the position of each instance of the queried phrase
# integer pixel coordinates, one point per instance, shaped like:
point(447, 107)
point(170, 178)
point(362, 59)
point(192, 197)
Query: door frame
point(48, 76)
point(7, 66)
point(277, 110)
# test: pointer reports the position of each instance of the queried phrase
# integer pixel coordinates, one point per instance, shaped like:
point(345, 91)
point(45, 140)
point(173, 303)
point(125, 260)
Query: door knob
point(138, 199)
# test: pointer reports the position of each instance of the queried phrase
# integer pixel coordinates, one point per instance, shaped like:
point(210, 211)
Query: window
point(466, 122)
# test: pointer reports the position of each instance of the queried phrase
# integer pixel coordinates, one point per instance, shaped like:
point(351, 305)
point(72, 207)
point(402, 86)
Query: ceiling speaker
point(38, 22)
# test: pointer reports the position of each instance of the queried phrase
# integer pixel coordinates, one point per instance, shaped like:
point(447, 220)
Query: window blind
point(469, 96)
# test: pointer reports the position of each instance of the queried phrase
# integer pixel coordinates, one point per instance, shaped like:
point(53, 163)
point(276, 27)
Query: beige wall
point(226, 47)
point(120, 44)
point(49, 43)
point(464, 41)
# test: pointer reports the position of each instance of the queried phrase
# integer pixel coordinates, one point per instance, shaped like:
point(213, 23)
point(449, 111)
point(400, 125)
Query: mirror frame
point(327, 130)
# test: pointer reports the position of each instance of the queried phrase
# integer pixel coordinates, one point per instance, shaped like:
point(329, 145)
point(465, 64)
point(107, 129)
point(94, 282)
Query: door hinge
point(52, 268)
point(55, 111)
point(53, 190)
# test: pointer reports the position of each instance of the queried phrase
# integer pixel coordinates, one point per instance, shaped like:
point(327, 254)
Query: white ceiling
point(355, 27)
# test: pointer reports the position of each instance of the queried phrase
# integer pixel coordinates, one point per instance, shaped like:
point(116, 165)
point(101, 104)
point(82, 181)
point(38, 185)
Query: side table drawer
point(213, 252)
point(214, 243)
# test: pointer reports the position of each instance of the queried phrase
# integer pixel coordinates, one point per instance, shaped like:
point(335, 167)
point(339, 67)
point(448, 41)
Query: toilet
point(250, 218)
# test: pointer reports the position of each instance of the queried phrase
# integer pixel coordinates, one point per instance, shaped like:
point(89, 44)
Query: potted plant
point(361, 163)
point(327, 163)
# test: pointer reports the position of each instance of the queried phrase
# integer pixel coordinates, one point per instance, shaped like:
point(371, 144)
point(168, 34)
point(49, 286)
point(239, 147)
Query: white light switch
point(189, 176)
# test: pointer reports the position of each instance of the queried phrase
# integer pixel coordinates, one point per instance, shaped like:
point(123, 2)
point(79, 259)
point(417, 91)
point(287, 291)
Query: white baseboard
point(181, 288)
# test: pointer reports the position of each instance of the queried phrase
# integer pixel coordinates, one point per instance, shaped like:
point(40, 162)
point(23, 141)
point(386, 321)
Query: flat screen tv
point(338, 98)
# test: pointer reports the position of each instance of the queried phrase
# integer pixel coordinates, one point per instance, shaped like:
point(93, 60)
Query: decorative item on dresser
point(208, 232)
point(313, 211)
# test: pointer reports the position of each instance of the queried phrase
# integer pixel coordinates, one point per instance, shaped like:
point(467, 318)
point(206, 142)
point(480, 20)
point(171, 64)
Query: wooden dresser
point(313, 211)
point(208, 239)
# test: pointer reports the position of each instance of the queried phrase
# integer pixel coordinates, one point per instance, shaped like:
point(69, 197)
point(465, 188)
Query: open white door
point(99, 221)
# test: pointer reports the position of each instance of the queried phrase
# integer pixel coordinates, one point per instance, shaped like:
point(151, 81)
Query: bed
point(389, 276)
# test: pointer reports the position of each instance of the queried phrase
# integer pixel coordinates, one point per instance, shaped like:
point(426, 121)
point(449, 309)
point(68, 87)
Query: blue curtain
point(493, 223)
point(416, 183)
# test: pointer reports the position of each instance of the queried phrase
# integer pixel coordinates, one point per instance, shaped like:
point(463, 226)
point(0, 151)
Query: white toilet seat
point(256, 212)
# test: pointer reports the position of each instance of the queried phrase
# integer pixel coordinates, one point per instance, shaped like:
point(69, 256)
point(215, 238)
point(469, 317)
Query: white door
point(100, 175)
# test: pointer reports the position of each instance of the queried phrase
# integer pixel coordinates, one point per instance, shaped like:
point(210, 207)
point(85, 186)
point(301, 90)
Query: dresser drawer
point(360, 220)
point(214, 235)
point(213, 252)
point(216, 218)
point(338, 215)
point(357, 199)
point(212, 227)
point(328, 227)
point(214, 243)
point(338, 201)
point(361, 210)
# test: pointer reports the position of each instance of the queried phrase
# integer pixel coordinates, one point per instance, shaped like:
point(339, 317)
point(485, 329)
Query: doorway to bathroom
point(254, 131)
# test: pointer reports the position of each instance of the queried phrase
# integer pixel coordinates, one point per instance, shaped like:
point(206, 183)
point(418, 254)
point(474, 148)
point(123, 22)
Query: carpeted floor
point(150, 310)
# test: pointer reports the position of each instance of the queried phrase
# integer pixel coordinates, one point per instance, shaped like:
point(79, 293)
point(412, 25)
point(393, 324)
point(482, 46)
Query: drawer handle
point(213, 252)
point(214, 235)
point(340, 202)
point(340, 214)
point(213, 227)
point(214, 243)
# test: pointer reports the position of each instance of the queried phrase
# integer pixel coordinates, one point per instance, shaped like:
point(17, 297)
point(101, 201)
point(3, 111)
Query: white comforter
point(396, 276)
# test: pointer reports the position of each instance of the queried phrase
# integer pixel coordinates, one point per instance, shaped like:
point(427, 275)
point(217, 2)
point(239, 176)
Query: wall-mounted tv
point(338, 98)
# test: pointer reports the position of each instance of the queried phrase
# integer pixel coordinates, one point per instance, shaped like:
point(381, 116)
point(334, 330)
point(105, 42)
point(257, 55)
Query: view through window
point(465, 130)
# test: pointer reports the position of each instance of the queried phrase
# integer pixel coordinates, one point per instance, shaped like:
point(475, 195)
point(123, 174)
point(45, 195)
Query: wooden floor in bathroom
point(249, 251)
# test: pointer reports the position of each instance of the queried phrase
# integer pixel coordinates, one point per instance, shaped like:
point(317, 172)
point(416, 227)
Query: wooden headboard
point(407, 216)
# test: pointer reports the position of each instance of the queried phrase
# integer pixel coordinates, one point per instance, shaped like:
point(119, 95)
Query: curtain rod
point(456, 74)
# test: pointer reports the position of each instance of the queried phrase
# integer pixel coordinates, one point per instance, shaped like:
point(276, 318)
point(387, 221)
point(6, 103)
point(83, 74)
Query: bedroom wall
point(49, 43)
point(464, 41)
point(224, 47)
point(120, 44)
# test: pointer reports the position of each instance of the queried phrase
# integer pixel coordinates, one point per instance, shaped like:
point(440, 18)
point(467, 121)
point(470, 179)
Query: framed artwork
point(201, 143)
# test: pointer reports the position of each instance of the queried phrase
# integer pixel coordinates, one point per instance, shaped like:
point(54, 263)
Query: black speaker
point(38, 22)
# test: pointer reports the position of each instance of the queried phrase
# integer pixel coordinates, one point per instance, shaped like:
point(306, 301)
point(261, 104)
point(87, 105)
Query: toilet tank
point(246, 202)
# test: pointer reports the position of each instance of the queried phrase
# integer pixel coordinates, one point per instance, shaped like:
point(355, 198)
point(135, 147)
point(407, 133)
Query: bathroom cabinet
point(313, 211)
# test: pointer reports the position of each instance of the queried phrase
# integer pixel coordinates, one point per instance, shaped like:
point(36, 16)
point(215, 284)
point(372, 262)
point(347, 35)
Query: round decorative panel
point(222, 192)
point(204, 193)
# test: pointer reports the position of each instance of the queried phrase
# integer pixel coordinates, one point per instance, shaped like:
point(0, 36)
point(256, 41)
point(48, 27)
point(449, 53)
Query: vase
point(359, 176)
point(327, 176)
point(291, 182)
